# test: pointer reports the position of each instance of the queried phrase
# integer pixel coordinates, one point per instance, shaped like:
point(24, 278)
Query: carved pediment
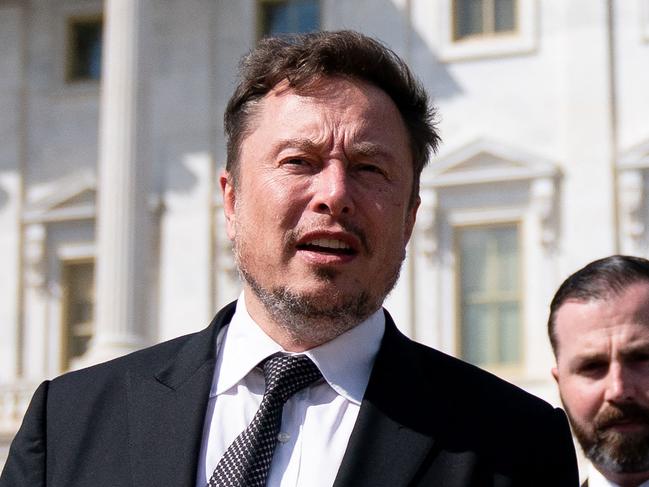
point(70, 198)
point(637, 157)
point(82, 199)
point(486, 161)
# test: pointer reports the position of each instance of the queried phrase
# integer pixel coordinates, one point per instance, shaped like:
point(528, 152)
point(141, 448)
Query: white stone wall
point(531, 134)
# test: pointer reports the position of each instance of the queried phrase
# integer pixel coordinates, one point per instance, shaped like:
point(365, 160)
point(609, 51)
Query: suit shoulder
point(145, 361)
point(186, 352)
point(470, 384)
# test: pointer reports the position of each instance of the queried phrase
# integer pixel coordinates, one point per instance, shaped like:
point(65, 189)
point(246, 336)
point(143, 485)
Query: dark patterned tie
point(246, 461)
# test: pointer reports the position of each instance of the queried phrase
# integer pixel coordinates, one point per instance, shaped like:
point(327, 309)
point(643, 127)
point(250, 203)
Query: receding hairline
point(600, 280)
point(642, 306)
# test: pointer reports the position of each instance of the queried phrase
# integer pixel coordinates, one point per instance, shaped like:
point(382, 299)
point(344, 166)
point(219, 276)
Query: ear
point(555, 374)
point(411, 217)
point(229, 200)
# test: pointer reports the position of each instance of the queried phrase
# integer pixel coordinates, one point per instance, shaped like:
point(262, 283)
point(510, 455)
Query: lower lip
point(322, 258)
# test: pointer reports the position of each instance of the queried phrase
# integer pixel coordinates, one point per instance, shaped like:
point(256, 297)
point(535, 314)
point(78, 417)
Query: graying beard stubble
point(308, 321)
point(631, 457)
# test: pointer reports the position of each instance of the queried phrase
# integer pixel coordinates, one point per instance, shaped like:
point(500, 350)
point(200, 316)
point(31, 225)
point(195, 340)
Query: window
point(78, 308)
point(490, 301)
point(483, 17)
point(285, 17)
point(474, 29)
point(84, 49)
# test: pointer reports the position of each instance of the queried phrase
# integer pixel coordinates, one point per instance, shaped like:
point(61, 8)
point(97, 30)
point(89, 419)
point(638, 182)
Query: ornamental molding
point(67, 199)
point(487, 161)
point(633, 166)
point(490, 162)
point(637, 157)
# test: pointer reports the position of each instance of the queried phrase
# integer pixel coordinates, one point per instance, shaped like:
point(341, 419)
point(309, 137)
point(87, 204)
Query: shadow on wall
point(4, 197)
point(395, 29)
point(7, 168)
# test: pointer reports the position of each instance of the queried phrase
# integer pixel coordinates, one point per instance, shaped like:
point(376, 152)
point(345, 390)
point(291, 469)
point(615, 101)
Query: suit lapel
point(388, 443)
point(167, 411)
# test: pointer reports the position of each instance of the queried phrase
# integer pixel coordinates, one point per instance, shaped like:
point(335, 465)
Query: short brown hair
point(302, 60)
point(601, 279)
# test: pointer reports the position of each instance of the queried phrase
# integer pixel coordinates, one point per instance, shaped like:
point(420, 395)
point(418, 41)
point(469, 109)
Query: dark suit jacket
point(427, 419)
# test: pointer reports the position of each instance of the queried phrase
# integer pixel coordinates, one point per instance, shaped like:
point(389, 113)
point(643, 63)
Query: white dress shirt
point(596, 479)
point(316, 422)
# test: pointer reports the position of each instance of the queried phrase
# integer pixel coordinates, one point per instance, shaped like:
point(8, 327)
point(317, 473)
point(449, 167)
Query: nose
point(332, 193)
point(620, 387)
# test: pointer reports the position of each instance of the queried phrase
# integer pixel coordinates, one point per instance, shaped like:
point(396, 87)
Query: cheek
point(272, 206)
point(584, 399)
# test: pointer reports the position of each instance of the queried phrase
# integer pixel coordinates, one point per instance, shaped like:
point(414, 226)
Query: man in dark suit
point(599, 329)
point(327, 136)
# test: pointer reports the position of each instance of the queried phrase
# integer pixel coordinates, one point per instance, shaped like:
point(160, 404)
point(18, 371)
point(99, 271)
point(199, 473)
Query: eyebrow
point(634, 350)
point(370, 149)
point(625, 354)
point(588, 357)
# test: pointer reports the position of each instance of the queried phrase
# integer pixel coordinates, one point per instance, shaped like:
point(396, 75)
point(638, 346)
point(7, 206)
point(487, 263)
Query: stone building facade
point(111, 233)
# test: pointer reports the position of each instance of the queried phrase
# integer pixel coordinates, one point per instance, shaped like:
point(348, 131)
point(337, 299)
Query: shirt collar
point(345, 362)
point(596, 479)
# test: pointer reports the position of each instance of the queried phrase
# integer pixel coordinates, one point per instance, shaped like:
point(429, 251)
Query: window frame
point(522, 40)
point(497, 367)
point(66, 361)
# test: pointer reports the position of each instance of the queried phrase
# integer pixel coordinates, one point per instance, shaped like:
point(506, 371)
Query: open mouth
point(327, 246)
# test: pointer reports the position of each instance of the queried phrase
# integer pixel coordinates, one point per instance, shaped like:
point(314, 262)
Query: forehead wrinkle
point(621, 342)
point(356, 149)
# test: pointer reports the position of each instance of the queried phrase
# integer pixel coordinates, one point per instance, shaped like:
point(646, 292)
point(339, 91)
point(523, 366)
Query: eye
point(370, 168)
point(297, 164)
point(592, 368)
point(295, 161)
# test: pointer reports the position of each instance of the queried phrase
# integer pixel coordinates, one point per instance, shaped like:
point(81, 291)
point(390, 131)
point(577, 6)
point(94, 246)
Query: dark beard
point(614, 451)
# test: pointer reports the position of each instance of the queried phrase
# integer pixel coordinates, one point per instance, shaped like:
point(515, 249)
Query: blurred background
point(111, 142)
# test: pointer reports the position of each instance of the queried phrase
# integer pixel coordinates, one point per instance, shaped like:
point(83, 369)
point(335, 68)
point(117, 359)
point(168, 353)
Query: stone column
point(123, 217)
point(35, 337)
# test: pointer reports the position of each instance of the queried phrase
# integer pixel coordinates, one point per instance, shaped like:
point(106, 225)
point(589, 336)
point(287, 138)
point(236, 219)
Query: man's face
point(320, 216)
point(603, 376)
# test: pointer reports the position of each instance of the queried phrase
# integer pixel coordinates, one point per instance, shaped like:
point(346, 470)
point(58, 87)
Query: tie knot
point(287, 374)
